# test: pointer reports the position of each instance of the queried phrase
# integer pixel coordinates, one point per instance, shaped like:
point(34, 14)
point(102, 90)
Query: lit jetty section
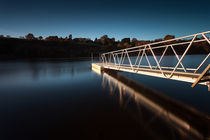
point(131, 60)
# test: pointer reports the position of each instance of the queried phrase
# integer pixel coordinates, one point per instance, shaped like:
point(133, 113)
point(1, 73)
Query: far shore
point(54, 48)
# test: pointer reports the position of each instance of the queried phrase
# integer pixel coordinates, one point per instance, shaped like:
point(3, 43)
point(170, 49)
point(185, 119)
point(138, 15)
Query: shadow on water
point(160, 115)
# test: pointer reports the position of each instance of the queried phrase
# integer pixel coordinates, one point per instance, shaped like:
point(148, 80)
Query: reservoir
point(67, 99)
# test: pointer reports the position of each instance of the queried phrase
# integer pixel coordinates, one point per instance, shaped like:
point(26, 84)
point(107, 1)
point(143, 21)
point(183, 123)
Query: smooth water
point(57, 100)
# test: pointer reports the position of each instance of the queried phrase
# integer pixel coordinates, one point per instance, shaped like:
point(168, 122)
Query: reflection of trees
point(152, 110)
point(56, 69)
point(42, 69)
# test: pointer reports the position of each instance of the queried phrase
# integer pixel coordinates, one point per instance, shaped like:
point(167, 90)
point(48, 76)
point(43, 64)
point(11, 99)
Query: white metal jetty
point(148, 59)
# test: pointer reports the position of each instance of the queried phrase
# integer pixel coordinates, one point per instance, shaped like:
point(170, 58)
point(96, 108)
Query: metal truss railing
point(117, 58)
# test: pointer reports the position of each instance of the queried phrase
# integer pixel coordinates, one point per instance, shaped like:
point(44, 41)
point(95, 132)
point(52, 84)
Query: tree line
point(31, 47)
point(103, 40)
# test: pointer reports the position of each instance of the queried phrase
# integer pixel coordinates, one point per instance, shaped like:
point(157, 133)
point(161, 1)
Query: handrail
point(143, 50)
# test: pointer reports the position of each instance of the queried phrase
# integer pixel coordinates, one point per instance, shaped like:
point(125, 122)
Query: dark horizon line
point(87, 38)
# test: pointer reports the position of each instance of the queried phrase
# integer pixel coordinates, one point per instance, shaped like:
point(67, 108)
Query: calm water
point(57, 100)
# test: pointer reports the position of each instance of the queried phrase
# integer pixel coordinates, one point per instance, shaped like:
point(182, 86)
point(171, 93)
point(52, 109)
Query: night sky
point(142, 19)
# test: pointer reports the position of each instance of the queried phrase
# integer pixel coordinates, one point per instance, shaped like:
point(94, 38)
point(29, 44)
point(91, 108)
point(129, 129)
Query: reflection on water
point(38, 69)
point(163, 117)
point(65, 100)
point(33, 72)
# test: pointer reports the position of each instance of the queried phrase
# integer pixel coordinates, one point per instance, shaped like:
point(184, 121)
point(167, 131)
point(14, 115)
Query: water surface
point(57, 100)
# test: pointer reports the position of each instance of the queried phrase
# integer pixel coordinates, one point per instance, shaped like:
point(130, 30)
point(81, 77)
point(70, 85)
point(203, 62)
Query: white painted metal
point(143, 51)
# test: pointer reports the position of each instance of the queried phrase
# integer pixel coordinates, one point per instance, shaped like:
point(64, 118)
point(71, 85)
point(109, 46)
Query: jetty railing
point(178, 47)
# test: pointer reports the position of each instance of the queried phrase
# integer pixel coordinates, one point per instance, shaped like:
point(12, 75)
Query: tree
point(52, 38)
point(40, 38)
point(125, 40)
point(112, 39)
point(134, 40)
point(159, 39)
point(119, 45)
point(66, 39)
point(83, 40)
point(104, 39)
point(167, 37)
point(30, 36)
point(126, 45)
point(70, 37)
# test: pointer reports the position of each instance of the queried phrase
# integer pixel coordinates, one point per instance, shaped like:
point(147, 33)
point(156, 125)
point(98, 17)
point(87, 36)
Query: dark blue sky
point(143, 19)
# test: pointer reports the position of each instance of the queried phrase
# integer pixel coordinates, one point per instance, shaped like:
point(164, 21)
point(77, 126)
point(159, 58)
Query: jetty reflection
point(163, 117)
